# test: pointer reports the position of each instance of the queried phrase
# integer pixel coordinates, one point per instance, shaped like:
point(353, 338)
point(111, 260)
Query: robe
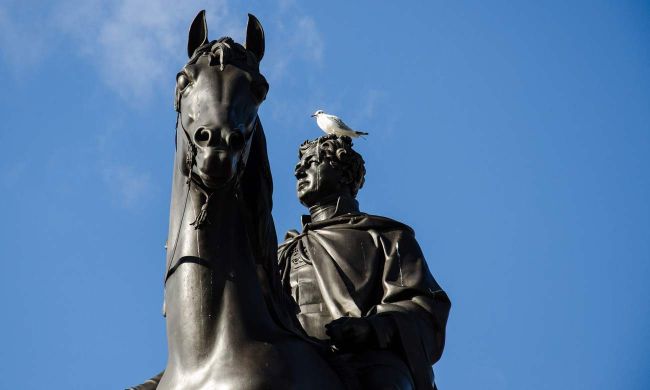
point(372, 267)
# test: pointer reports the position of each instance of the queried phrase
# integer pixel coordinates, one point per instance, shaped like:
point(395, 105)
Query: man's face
point(318, 181)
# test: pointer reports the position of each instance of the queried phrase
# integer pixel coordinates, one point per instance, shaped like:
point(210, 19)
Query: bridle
point(190, 161)
point(233, 182)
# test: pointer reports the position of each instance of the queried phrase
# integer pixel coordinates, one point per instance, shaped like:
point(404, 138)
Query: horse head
point(218, 93)
point(220, 142)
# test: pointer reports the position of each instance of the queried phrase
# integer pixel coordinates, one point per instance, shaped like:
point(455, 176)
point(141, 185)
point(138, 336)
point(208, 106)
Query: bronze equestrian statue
point(231, 322)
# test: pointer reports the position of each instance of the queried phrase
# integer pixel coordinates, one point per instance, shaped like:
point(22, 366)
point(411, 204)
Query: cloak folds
point(371, 266)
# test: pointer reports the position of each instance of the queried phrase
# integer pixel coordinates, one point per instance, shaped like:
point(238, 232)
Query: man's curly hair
point(338, 152)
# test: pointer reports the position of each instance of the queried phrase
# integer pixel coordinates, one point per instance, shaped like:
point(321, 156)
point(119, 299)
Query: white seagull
point(332, 124)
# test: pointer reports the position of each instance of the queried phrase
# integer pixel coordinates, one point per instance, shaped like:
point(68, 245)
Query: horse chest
point(246, 366)
point(212, 341)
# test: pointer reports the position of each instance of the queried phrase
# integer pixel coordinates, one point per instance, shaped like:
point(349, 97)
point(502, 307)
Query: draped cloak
point(371, 266)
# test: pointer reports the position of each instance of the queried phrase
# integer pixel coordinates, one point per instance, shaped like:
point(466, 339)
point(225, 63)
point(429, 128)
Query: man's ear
point(347, 180)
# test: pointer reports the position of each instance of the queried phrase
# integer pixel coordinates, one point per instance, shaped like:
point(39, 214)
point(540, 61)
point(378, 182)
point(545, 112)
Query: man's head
point(328, 168)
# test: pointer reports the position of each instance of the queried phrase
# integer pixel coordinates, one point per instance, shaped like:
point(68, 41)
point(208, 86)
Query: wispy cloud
point(371, 102)
point(295, 37)
point(128, 186)
point(20, 44)
point(375, 114)
point(135, 44)
point(308, 39)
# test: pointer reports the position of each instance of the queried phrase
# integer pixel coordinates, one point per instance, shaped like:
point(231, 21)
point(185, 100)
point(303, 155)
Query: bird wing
point(339, 123)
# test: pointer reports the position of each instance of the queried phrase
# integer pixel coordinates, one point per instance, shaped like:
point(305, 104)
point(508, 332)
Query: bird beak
point(313, 115)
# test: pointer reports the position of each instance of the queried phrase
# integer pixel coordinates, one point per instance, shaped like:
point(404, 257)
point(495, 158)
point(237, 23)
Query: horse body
point(221, 331)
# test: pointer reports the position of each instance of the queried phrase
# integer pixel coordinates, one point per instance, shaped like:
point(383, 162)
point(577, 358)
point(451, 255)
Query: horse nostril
point(202, 136)
point(235, 140)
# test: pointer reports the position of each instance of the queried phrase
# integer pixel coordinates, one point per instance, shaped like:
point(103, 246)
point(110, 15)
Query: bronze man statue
point(360, 281)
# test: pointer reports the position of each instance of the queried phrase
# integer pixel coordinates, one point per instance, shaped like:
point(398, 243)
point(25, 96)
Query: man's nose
point(300, 172)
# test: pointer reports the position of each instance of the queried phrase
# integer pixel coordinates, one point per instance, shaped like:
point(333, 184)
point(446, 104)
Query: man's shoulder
point(356, 222)
point(379, 222)
point(289, 237)
point(362, 221)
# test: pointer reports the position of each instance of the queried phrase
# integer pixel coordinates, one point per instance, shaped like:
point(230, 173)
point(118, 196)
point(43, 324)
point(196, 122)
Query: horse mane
point(256, 190)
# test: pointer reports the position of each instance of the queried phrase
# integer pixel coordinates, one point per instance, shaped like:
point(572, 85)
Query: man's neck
point(334, 207)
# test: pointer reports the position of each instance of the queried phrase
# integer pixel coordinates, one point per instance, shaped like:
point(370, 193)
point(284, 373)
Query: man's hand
point(351, 333)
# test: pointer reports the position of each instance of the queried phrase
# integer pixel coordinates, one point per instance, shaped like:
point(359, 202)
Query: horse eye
point(182, 81)
point(259, 90)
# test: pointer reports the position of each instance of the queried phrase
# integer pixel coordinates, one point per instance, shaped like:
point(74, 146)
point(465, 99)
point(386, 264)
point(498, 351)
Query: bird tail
point(360, 133)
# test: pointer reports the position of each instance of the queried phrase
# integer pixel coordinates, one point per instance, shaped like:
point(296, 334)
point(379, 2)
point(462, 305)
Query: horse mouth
point(212, 181)
point(215, 166)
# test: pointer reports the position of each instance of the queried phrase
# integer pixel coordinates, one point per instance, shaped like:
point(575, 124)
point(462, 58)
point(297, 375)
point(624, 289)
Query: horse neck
point(220, 253)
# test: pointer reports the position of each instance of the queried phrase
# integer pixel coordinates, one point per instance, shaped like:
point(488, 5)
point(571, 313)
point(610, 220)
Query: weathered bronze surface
point(373, 316)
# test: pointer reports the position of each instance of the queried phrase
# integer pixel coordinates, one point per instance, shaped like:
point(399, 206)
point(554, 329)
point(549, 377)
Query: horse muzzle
point(216, 166)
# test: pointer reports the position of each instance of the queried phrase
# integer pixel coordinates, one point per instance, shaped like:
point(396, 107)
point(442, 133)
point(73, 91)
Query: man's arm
point(413, 308)
point(413, 300)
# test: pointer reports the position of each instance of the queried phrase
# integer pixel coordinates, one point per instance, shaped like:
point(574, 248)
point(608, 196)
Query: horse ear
point(198, 33)
point(255, 37)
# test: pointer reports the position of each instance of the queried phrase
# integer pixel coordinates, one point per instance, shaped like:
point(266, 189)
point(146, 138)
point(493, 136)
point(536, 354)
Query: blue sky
point(514, 138)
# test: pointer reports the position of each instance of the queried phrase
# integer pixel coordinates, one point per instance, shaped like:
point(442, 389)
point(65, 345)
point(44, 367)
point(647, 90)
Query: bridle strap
point(190, 161)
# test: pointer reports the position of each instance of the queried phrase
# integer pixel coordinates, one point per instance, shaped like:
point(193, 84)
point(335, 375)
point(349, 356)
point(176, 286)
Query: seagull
point(332, 124)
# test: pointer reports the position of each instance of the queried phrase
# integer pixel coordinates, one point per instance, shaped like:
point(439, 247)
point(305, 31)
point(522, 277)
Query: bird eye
point(182, 81)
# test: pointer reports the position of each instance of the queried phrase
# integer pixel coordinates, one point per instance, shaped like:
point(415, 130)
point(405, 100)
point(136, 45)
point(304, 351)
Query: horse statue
point(226, 326)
